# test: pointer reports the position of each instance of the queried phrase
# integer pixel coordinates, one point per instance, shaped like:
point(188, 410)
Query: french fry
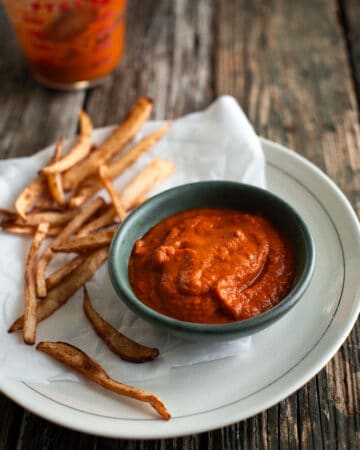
point(86, 127)
point(28, 229)
point(7, 213)
point(54, 179)
point(75, 358)
point(158, 170)
point(106, 219)
point(106, 182)
point(112, 144)
point(56, 277)
point(126, 348)
point(77, 152)
point(53, 217)
point(81, 217)
point(29, 330)
point(61, 293)
point(134, 193)
point(28, 197)
point(91, 185)
point(89, 242)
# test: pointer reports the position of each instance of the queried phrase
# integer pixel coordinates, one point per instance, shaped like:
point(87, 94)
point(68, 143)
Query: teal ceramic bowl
point(219, 194)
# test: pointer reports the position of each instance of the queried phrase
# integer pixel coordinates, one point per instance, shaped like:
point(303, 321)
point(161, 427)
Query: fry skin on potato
point(52, 217)
point(123, 134)
point(105, 179)
point(126, 348)
point(81, 217)
point(56, 277)
point(77, 152)
point(76, 359)
point(104, 220)
point(91, 185)
point(85, 243)
point(61, 293)
point(29, 195)
point(27, 230)
point(29, 329)
point(158, 170)
point(54, 179)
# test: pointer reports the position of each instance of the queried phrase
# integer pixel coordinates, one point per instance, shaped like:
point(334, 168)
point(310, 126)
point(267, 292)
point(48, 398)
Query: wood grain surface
point(295, 69)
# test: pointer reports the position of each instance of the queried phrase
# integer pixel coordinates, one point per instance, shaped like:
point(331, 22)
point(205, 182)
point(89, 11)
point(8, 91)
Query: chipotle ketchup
point(212, 265)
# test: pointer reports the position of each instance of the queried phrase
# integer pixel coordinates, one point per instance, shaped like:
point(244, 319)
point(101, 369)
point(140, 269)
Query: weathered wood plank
point(31, 116)
point(168, 58)
point(349, 12)
point(289, 70)
point(10, 423)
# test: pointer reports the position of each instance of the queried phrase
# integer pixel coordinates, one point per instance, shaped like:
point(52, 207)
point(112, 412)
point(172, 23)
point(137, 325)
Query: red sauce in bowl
point(212, 265)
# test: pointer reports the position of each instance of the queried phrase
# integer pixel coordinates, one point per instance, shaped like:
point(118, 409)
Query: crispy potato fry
point(158, 170)
point(29, 329)
point(126, 348)
point(54, 179)
point(53, 217)
point(61, 293)
point(91, 185)
point(106, 219)
point(86, 127)
point(112, 144)
point(89, 242)
point(75, 358)
point(106, 182)
point(28, 229)
point(56, 277)
point(7, 213)
point(28, 197)
point(77, 152)
point(81, 217)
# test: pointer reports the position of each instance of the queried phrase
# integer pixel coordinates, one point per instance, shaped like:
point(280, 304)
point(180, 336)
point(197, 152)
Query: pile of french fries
point(63, 203)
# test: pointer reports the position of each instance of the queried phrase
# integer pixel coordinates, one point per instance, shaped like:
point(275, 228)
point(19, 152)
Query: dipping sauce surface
point(212, 265)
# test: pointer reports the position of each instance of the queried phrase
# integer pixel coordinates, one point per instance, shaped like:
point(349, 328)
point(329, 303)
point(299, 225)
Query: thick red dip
point(212, 265)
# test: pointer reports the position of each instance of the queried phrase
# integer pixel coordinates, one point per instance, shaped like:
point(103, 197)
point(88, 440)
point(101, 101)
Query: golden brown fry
point(28, 197)
point(7, 213)
point(75, 358)
point(56, 277)
point(81, 217)
point(54, 179)
point(91, 185)
point(106, 181)
point(89, 242)
point(156, 171)
point(139, 201)
point(61, 293)
point(112, 144)
point(28, 229)
point(53, 217)
point(29, 329)
point(86, 126)
point(126, 348)
point(106, 219)
point(80, 149)
point(133, 194)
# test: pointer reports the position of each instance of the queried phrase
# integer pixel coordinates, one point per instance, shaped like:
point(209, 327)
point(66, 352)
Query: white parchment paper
point(217, 143)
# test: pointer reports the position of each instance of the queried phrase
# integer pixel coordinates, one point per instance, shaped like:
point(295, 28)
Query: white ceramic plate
point(283, 358)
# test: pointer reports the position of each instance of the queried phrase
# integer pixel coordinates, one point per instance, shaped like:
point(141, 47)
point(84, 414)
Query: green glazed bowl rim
point(122, 286)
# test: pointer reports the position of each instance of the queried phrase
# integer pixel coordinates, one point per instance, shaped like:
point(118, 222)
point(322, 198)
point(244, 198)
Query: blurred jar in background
point(69, 44)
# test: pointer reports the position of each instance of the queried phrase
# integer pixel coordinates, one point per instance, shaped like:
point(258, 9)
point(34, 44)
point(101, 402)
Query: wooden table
point(295, 69)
